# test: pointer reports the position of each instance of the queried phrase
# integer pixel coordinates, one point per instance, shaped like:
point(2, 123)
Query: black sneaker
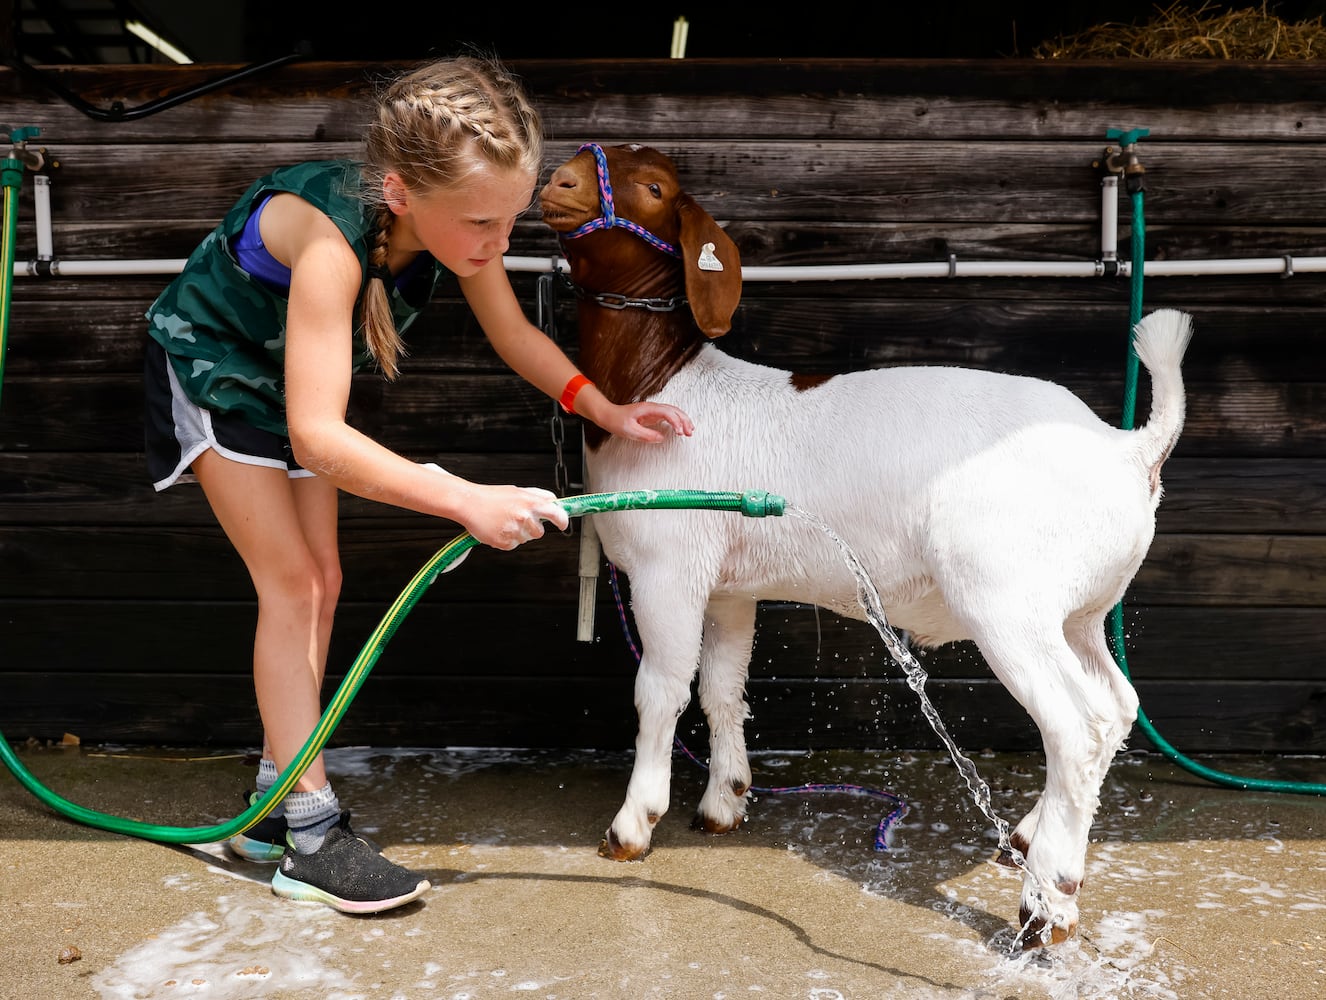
point(348, 874)
point(264, 841)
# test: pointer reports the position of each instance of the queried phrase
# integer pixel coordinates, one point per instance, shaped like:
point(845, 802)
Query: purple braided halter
point(609, 218)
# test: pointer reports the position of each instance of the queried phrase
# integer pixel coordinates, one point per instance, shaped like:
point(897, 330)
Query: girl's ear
point(394, 193)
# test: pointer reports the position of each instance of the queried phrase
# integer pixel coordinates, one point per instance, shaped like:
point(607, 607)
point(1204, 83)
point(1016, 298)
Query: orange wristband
point(573, 387)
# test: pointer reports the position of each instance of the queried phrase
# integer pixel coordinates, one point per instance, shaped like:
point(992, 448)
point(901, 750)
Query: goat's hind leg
point(1086, 637)
point(729, 631)
point(1075, 714)
point(669, 621)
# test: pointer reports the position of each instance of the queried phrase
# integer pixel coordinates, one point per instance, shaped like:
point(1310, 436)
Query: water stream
point(916, 679)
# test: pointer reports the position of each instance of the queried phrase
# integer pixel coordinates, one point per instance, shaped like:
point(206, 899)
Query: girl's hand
point(642, 421)
point(507, 516)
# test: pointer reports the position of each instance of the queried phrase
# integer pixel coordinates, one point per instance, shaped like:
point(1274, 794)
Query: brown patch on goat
point(802, 383)
point(739, 787)
point(1020, 844)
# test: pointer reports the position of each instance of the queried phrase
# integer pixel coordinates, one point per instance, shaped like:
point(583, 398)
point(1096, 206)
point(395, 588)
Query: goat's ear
point(713, 268)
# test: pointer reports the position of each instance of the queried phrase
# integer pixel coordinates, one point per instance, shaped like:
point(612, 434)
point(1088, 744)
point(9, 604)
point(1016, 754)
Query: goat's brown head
point(628, 229)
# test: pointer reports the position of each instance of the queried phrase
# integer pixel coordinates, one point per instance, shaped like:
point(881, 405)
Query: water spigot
point(1124, 160)
point(20, 156)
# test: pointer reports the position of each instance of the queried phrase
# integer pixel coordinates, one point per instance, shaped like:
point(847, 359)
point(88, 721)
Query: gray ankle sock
point(310, 815)
point(267, 775)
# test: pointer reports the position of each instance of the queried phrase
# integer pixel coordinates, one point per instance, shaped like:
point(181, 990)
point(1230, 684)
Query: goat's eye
point(656, 191)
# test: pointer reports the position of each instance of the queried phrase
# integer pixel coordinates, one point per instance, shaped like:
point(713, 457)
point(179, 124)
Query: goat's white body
point(895, 461)
point(984, 506)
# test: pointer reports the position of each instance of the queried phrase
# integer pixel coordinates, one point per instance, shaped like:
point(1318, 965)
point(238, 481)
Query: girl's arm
point(538, 360)
point(324, 284)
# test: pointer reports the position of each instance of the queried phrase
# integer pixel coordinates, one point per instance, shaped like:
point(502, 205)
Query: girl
point(314, 274)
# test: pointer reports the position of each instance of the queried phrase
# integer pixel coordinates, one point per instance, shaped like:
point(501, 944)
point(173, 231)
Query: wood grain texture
point(105, 585)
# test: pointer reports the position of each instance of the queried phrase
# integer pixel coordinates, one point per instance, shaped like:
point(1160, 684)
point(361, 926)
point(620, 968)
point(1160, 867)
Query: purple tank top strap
point(255, 258)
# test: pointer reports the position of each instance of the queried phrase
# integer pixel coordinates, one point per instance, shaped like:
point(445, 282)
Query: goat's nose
point(563, 177)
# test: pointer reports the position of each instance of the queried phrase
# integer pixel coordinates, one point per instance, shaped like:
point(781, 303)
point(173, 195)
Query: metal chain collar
point(616, 300)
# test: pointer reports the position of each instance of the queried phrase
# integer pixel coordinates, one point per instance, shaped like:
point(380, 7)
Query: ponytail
point(380, 333)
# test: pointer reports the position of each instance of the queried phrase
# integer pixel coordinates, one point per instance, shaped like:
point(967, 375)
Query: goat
point(985, 506)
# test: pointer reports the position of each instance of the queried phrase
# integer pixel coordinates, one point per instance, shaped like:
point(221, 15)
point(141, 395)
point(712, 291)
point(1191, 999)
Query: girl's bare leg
point(285, 531)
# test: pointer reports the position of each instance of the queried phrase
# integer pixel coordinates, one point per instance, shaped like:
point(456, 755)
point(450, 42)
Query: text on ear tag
point(708, 262)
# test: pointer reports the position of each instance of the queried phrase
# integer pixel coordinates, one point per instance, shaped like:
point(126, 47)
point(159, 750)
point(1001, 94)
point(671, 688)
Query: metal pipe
point(97, 268)
point(41, 193)
point(951, 268)
point(1109, 217)
point(1286, 265)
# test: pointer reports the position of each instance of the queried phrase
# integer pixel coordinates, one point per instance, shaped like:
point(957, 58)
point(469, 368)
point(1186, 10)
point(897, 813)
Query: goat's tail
point(1160, 340)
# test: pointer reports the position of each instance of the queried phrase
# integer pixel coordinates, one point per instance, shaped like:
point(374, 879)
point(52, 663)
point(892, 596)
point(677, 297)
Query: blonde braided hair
point(430, 127)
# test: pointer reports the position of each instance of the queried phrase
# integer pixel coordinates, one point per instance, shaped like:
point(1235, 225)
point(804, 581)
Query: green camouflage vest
point(225, 331)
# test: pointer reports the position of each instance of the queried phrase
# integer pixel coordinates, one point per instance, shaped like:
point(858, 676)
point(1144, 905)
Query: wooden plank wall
point(126, 616)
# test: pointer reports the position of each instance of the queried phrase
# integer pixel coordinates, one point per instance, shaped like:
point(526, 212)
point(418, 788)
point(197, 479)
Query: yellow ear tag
point(708, 262)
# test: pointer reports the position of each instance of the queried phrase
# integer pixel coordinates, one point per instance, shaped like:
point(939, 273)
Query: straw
point(1179, 32)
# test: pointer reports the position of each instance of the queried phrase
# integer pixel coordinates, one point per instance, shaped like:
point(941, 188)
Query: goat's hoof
point(1037, 933)
point(614, 850)
point(707, 824)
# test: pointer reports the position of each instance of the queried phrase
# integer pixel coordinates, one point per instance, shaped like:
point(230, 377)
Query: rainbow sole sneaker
point(348, 874)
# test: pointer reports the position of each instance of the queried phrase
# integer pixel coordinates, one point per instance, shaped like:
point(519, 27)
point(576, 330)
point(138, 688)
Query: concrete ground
point(1193, 890)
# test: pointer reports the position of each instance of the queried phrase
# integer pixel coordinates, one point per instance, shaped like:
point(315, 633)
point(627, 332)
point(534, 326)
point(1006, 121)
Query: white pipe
point(41, 194)
point(536, 264)
point(952, 268)
point(1286, 265)
point(1109, 217)
point(97, 268)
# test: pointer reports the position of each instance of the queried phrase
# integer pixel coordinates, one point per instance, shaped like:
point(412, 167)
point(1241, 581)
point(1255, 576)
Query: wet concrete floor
point(1193, 890)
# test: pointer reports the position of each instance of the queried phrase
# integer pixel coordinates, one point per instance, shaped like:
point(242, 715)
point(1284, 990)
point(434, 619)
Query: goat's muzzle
point(568, 200)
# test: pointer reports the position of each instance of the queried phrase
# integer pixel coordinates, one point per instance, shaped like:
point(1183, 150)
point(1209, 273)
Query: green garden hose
point(1116, 615)
point(751, 504)
point(11, 175)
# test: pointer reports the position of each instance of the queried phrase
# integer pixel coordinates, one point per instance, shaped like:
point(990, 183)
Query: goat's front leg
point(729, 631)
point(669, 622)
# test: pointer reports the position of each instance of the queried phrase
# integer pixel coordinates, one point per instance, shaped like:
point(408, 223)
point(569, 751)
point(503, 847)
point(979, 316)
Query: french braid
point(430, 126)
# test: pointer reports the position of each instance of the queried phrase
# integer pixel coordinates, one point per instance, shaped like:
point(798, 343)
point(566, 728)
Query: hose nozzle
point(758, 503)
